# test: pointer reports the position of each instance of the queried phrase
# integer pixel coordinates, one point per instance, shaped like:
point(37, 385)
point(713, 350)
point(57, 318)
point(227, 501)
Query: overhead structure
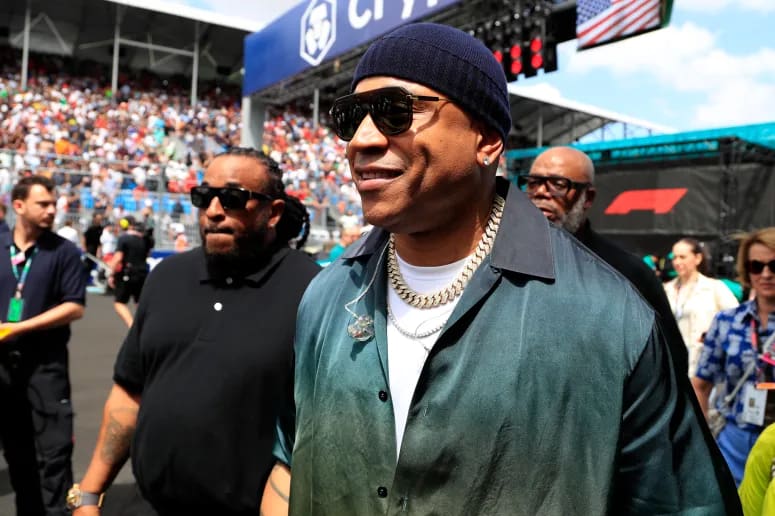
point(317, 44)
point(545, 120)
point(711, 185)
point(311, 51)
point(125, 34)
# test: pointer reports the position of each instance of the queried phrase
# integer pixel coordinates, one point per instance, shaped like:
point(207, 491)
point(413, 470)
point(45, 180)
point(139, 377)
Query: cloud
point(714, 6)
point(729, 89)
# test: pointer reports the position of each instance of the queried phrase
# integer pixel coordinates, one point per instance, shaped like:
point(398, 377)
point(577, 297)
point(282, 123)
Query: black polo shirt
point(135, 251)
point(56, 276)
point(213, 363)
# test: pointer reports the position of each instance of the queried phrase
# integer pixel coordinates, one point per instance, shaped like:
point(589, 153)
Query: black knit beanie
point(447, 60)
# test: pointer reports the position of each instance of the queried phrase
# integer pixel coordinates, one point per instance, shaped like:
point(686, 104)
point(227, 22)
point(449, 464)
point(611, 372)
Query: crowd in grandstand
point(139, 147)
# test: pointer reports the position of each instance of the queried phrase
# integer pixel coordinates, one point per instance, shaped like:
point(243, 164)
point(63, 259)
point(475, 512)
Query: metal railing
point(157, 207)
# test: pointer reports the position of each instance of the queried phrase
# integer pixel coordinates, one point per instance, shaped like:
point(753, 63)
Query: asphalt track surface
point(94, 344)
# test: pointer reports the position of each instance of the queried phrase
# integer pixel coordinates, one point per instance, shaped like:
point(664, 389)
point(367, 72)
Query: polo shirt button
point(218, 307)
point(229, 281)
point(383, 396)
point(382, 492)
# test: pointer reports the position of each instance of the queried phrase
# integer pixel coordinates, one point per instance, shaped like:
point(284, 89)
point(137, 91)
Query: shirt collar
point(252, 278)
point(522, 244)
point(46, 239)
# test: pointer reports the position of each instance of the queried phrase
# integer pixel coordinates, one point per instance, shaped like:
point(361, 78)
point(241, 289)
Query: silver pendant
point(362, 329)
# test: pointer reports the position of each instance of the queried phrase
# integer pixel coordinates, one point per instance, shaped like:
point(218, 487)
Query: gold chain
point(450, 293)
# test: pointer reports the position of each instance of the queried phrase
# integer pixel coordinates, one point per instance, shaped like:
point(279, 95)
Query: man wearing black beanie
point(466, 357)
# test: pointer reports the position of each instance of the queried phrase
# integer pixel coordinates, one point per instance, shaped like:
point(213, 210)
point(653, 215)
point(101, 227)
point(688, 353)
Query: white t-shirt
point(108, 242)
point(406, 355)
point(71, 234)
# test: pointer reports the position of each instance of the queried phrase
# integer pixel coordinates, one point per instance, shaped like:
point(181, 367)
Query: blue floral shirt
point(728, 351)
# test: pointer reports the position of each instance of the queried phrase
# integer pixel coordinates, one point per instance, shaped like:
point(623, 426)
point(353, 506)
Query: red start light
point(498, 56)
point(515, 51)
point(536, 45)
point(537, 62)
point(516, 67)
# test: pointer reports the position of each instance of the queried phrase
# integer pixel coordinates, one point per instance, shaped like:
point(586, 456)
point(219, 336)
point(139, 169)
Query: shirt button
point(383, 396)
point(382, 492)
point(229, 281)
point(218, 307)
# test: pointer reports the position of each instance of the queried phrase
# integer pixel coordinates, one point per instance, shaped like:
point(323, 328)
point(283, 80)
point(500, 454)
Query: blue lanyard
point(25, 271)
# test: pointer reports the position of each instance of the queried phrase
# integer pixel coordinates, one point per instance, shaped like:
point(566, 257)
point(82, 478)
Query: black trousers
point(36, 427)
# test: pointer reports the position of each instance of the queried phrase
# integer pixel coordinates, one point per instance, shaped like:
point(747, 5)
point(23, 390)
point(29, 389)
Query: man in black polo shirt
point(91, 240)
point(42, 290)
point(196, 381)
point(129, 268)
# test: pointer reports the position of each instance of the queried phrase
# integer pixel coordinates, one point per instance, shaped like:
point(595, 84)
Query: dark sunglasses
point(757, 267)
point(390, 109)
point(230, 197)
point(557, 186)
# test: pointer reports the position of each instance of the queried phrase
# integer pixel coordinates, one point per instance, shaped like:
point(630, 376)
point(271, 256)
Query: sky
point(713, 66)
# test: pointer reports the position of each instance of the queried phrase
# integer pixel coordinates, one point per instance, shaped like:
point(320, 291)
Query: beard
point(576, 216)
point(248, 254)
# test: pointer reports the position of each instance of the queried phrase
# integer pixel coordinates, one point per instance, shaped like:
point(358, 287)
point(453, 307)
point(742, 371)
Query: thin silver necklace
point(416, 335)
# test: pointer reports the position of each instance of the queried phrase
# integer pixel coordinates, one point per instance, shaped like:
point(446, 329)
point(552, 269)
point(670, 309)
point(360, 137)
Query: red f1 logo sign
point(660, 201)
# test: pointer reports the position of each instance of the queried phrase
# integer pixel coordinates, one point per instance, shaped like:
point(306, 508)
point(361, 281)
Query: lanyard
point(766, 355)
point(26, 270)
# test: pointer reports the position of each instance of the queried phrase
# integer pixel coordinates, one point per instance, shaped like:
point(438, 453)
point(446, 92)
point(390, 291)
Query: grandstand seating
point(68, 124)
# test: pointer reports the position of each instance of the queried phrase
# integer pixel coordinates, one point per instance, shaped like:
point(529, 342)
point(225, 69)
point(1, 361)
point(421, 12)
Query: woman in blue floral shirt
point(733, 345)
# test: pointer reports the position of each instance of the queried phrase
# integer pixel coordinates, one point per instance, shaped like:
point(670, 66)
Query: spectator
point(68, 232)
point(732, 355)
point(181, 242)
point(695, 298)
point(349, 235)
point(129, 268)
point(3, 224)
point(91, 240)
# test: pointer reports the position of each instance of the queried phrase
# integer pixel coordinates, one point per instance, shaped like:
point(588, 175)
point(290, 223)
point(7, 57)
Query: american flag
point(603, 21)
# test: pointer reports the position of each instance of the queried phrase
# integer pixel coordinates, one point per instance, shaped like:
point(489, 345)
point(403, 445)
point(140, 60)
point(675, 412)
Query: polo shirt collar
point(45, 239)
point(522, 244)
point(254, 277)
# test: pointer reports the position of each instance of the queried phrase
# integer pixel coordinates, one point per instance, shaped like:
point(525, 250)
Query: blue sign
point(316, 30)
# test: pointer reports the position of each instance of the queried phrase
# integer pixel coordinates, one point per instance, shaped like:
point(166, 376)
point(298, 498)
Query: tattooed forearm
point(279, 491)
point(118, 436)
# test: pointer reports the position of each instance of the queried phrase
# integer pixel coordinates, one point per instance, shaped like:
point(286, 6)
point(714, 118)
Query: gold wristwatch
point(77, 498)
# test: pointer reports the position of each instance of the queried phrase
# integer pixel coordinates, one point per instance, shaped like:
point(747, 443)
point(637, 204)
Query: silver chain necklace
point(442, 297)
point(415, 335)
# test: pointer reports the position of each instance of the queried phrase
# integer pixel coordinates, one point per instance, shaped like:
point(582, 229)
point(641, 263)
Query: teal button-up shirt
point(550, 391)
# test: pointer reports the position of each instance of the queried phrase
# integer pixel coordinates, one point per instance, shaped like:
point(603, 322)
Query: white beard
point(576, 216)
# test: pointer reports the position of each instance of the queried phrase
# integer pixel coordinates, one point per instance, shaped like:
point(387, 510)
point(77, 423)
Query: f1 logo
point(660, 201)
point(318, 30)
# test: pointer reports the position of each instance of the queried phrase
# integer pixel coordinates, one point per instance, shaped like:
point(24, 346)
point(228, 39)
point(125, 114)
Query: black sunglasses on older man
point(557, 186)
point(757, 267)
point(230, 197)
point(390, 109)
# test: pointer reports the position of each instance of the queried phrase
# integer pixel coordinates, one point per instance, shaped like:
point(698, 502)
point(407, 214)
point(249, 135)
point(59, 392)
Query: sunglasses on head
point(757, 267)
point(390, 110)
point(557, 186)
point(230, 197)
